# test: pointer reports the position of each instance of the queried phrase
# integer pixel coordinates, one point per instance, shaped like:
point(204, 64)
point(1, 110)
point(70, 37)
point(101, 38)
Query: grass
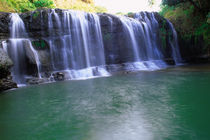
point(26, 5)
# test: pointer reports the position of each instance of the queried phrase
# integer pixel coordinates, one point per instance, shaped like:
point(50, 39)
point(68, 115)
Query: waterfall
point(16, 49)
point(77, 45)
point(129, 26)
point(151, 26)
point(80, 46)
point(174, 45)
point(4, 45)
point(141, 36)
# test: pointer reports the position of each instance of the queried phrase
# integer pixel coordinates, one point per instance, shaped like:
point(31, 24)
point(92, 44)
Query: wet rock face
point(36, 23)
point(116, 48)
point(4, 25)
point(193, 50)
point(43, 49)
point(5, 78)
point(5, 64)
point(165, 35)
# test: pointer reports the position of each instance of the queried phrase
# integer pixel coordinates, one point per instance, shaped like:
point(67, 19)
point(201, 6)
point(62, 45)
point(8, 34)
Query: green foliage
point(39, 44)
point(166, 9)
point(20, 5)
point(172, 2)
point(163, 34)
point(188, 20)
point(204, 30)
point(43, 3)
point(35, 14)
point(30, 5)
point(130, 14)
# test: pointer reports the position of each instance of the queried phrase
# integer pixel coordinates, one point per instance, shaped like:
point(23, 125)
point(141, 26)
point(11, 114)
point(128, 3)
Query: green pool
point(162, 105)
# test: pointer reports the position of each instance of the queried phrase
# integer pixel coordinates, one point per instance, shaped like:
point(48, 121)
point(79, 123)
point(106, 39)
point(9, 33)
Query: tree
point(201, 5)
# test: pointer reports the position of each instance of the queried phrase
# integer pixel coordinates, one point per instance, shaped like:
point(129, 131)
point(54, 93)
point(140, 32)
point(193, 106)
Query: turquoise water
point(162, 105)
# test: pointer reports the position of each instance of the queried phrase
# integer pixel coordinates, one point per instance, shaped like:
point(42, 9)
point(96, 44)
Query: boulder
point(59, 76)
point(7, 83)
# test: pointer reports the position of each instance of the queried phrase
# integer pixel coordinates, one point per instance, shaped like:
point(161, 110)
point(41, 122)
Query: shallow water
point(172, 104)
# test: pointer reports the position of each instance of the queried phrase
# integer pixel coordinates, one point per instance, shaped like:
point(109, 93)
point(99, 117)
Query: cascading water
point(16, 49)
point(76, 45)
point(129, 26)
point(174, 45)
point(141, 36)
point(151, 26)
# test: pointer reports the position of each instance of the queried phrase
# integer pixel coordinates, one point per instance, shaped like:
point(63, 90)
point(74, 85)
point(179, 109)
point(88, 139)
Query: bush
point(43, 3)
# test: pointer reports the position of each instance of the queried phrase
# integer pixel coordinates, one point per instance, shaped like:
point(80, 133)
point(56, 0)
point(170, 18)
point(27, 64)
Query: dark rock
point(7, 83)
point(59, 76)
point(170, 61)
point(5, 64)
point(193, 50)
point(47, 74)
point(116, 48)
point(5, 78)
point(4, 25)
point(35, 81)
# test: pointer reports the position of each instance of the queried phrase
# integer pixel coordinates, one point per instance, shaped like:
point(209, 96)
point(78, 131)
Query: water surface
point(159, 105)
